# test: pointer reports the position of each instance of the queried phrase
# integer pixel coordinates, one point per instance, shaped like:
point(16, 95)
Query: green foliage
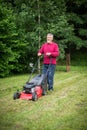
point(79, 58)
point(8, 41)
point(77, 17)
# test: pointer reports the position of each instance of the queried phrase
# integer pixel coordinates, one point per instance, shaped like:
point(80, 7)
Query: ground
point(63, 109)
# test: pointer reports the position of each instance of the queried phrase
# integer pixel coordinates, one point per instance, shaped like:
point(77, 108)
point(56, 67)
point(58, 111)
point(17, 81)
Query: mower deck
point(32, 90)
point(29, 96)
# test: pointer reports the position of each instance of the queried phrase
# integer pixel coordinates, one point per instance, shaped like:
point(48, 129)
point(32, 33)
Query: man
point(50, 50)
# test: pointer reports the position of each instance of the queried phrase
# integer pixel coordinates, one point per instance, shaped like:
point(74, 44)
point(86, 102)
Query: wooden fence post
point(68, 62)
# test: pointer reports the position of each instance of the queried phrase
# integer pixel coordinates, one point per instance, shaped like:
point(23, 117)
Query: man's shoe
point(51, 90)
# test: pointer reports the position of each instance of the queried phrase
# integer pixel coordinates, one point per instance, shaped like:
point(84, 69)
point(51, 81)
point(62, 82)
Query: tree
point(77, 16)
point(8, 40)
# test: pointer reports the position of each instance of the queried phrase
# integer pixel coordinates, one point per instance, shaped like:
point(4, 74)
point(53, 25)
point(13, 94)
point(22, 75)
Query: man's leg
point(44, 69)
point(51, 76)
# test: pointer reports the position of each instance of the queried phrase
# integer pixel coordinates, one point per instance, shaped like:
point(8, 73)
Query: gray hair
point(50, 34)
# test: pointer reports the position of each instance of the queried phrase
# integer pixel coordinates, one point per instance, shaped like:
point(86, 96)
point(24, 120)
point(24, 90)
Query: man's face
point(49, 38)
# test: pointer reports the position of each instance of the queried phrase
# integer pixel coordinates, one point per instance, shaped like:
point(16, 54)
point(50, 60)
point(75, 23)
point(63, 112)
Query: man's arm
point(56, 52)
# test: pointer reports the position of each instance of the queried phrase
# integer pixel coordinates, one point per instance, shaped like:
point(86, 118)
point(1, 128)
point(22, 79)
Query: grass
point(63, 109)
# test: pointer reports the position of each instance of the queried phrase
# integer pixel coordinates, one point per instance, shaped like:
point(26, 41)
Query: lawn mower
point(33, 89)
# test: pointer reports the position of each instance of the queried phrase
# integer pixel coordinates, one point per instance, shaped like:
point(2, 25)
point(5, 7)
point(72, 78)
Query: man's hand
point(48, 54)
point(39, 54)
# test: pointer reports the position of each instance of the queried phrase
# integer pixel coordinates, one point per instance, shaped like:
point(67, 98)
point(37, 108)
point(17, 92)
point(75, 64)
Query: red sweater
point(50, 48)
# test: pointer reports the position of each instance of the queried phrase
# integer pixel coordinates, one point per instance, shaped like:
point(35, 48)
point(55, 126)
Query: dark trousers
point(49, 70)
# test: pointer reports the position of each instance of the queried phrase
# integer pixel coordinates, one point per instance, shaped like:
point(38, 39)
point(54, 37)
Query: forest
point(24, 25)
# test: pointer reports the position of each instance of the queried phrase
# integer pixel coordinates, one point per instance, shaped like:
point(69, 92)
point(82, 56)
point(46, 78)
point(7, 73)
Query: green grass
point(63, 109)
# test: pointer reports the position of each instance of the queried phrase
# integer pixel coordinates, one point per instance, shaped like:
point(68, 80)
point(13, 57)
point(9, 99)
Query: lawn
point(63, 109)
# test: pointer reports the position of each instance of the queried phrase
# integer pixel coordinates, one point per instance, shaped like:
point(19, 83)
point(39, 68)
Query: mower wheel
point(16, 95)
point(34, 96)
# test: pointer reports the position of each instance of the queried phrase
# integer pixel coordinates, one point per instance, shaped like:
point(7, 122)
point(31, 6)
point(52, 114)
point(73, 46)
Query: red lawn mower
point(33, 89)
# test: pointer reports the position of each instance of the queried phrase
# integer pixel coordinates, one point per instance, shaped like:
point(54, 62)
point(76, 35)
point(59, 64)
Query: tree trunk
point(38, 3)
